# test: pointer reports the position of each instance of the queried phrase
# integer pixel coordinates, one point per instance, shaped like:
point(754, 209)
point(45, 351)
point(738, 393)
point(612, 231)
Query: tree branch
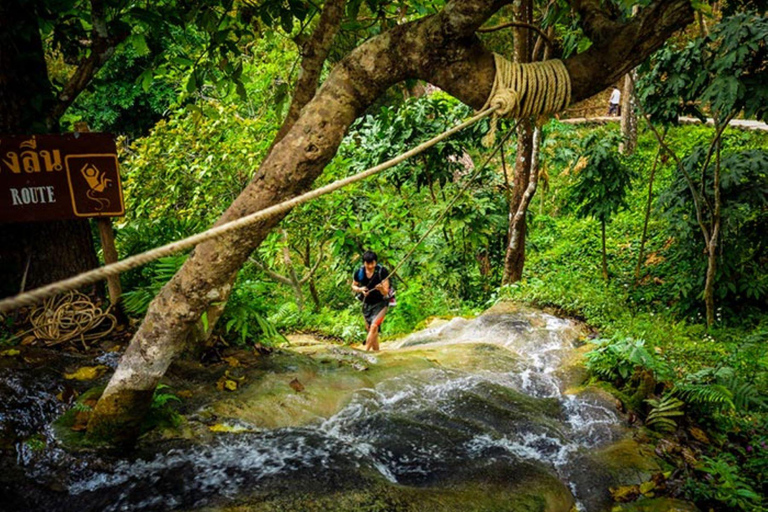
point(102, 48)
point(629, 45)
point(313, 52)
point(271, 273)
point(315, 266)
point(598, 24)
point(518, 24)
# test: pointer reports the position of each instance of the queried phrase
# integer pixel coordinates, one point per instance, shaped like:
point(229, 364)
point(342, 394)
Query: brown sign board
point(52, 177)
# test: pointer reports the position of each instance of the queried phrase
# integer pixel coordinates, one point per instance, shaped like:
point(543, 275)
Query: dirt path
point(744, 124)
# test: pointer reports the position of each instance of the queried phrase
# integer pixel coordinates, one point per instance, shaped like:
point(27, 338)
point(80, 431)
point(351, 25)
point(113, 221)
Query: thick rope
point(98, 274)
point(525, 90)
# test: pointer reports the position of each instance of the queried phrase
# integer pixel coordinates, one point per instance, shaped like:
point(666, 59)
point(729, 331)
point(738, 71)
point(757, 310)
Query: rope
point(68, 317)
point(461, 191)
point(527, 89)
point(93, 276)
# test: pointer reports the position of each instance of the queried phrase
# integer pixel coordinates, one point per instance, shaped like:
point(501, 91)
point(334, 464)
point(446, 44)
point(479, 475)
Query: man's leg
point(372, 342)
point(367, 330)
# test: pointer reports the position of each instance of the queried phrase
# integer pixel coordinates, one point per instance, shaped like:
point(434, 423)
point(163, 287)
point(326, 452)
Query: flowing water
point(506, 423)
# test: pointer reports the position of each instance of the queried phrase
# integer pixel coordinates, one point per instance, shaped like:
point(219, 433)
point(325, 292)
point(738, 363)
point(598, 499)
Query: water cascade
point(481, 414)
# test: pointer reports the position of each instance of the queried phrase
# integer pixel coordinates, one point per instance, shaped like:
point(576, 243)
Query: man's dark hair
point(369, 256)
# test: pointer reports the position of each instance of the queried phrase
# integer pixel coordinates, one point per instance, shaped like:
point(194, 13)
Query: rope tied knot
point(528, 89)
point(504, 101)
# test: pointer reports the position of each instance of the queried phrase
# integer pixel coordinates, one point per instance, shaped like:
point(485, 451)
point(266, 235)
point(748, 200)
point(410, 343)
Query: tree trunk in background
point(514, 260)
point(628, 116)
point(647, 217)
point(709, 285)
point(43, 251)
point(441, 49)
point(605, 257)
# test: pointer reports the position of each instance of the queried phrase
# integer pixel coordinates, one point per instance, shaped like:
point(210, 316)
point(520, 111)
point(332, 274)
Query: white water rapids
point(417, 429)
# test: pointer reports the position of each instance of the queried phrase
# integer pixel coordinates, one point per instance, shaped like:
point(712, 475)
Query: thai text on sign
point(52, 177)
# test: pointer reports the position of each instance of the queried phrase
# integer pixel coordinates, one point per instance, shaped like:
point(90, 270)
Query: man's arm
point(356, 288)
point(383, 286)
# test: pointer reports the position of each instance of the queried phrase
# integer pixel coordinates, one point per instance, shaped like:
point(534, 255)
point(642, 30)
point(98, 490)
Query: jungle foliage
point(200, 95)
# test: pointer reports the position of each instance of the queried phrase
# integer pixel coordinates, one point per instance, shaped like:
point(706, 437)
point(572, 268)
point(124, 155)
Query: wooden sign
point(51, 177)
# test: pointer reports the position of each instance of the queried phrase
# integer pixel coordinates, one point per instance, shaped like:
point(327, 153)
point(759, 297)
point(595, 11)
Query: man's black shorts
point(370, 311)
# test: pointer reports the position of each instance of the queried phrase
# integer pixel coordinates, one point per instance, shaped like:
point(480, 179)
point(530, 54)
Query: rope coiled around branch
point(525, 90)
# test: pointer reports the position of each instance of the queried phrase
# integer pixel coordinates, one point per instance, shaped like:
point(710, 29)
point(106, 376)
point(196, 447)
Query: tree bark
point(441, 49)
point(514, 259)
point(628, 116)
point(43, 251)
point(313, 53)
point(605, 257)
point(709, 285)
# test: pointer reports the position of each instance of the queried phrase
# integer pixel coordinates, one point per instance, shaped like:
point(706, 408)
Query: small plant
point(81, 407)
point(617, 359)
point(161, 413)
point(724, 483)
point(662, 412)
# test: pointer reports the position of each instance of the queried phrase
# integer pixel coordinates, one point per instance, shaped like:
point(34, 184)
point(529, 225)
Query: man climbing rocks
point(371, 285)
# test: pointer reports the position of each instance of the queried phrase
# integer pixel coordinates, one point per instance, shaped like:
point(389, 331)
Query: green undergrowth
point(699, 393)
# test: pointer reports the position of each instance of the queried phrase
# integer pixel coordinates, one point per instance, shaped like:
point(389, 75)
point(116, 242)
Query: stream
point(481, 414)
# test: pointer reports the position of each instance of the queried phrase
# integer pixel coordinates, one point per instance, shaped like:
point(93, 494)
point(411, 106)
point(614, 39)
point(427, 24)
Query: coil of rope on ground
point(70, 317)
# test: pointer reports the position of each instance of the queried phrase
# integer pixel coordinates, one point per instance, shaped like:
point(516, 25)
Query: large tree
point(35, 253)
point(441, 49)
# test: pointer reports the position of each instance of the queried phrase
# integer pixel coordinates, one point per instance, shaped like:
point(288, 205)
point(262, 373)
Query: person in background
point(370, 283)
point(613, 103)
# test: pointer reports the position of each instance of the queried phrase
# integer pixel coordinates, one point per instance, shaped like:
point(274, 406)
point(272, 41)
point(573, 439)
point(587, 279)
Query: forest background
point(194, 125)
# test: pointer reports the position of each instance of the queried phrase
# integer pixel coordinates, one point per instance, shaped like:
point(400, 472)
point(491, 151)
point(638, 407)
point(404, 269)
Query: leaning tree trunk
point(440, 49)
point(35, 252)
point(314, 52)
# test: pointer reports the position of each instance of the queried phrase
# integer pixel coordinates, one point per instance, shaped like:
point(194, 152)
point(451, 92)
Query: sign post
point(69, 176)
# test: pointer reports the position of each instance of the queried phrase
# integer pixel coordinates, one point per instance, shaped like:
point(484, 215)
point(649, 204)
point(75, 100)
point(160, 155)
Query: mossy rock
point(656, 505)
point(329, 376)
point(623, 463)
point(528, 488)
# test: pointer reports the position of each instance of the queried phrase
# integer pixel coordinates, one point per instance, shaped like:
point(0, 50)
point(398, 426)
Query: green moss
point(331, 375)
point(534, 491)
point(656, 505)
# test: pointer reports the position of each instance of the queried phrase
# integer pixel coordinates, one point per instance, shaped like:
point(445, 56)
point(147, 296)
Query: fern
point(662, 412)
point(719, 389)
point(712, 395)
point(745, 395)
point(286, 316)
point(160, 399)
point(136, 302)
